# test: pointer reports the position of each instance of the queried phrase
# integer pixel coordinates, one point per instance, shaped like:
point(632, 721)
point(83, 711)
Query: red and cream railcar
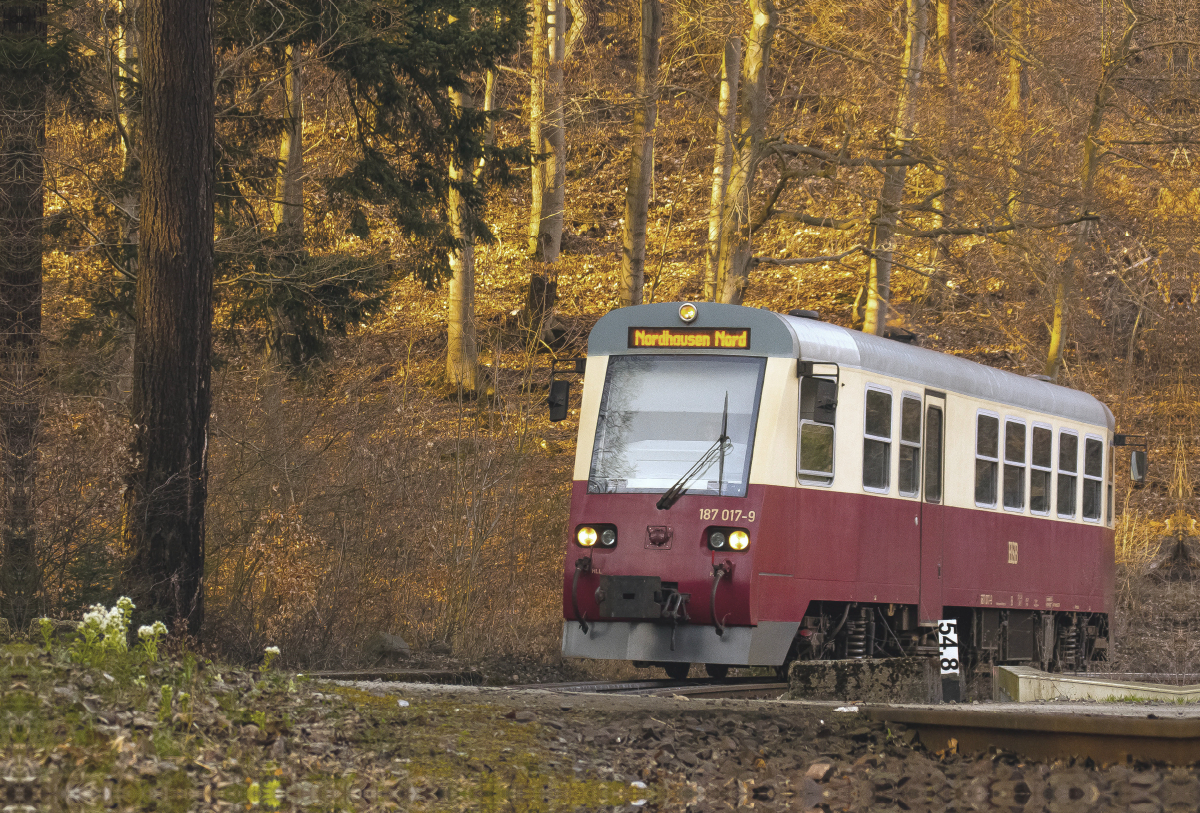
point(751, 488)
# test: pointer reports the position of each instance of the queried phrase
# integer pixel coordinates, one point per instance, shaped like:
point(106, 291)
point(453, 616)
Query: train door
point(932, 506)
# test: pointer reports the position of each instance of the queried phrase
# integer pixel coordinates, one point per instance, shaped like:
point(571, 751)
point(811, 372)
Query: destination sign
point(719, 338)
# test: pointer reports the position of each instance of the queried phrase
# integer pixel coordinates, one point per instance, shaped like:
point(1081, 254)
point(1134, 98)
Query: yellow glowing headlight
point(586, 536)
point(739, 540)
point(687, 311)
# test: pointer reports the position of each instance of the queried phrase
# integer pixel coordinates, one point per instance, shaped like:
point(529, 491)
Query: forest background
point(420, 205)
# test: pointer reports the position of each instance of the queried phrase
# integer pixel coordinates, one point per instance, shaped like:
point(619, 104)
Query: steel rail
point(457, 677)
point(1104, 738)
point(746, 687)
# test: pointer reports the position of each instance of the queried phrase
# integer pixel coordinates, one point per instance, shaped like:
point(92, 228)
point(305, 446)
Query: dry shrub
point(81, 470)
point(1156, 621)
point(366, 503)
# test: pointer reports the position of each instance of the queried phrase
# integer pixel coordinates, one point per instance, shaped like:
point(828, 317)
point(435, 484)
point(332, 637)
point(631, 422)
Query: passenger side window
point(1014, 465)
point(877, 441)
point(910, 445)
point(1068, 468)
point(818, 404)
point(1039, 473)
point(1093, 477)
point(987, 459)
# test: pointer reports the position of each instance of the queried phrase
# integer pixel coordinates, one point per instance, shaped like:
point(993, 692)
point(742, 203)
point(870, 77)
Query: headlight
point(728, 539)
point(586, 536)
point(608, 537)
point(687, 312)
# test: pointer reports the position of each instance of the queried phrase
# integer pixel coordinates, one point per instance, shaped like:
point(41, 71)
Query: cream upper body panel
point(862, 362)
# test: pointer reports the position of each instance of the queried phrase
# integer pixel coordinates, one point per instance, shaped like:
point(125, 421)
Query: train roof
point(773, 334)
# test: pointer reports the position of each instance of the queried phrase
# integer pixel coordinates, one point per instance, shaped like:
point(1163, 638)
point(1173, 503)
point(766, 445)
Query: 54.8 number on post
point(947, 633)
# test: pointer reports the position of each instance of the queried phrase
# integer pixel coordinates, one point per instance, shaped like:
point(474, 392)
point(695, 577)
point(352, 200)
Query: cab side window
point(1108, 516)
point(987, 459)
point(877, 440)
point(818, 408)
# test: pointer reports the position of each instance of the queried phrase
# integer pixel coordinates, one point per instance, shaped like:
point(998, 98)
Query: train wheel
point(677, 671)
point(717, 671)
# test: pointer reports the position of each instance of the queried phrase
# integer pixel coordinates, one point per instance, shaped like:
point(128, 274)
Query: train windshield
point(660, 414)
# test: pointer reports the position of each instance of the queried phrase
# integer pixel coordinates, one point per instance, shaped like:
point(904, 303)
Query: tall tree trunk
point(287, 210)
point(641, 158)
point(537, 117)
point(128, 17)
point(556, 133)
point(22, 142)
point(166, 490)
point(1111, 70)
point(731, 66)
point(947, 63)
point(287, 216)
point(1017, 92)
point(1016, 65)
point(734, 267)
point(126, 71)
point(548, 134)
point(546, 130)
point(879, 268)
point(461, 350)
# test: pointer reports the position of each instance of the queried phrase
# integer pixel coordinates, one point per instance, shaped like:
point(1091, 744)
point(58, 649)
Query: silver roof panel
point(773, 334)
point(821, 341)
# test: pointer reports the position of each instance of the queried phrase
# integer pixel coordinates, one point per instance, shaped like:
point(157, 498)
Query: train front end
point(667, 492)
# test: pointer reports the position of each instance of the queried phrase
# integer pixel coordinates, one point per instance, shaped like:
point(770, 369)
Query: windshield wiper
point(724, 437)
point(716, 450)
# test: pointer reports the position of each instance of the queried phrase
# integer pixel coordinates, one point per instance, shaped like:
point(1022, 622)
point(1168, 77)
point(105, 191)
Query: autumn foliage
point(1043, 222)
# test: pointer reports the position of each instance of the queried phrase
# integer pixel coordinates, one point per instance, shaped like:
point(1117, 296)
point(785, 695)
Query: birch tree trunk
point(641, 158)
point(731, 66)
point(734, 267)
point(462, 354)
point(1111, 71)
point(879, 268)
point(167, 487)
point(287, 210)
point(23, 98)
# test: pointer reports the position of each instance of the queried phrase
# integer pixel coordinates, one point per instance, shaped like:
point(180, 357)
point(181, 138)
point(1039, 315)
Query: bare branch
point(830, 258)
point(966, 231)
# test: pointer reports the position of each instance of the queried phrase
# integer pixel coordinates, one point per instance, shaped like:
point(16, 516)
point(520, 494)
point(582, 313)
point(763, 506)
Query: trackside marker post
point(949, 664)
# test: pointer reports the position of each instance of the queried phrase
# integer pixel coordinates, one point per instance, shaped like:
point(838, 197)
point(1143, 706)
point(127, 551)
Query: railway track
point(748, 688)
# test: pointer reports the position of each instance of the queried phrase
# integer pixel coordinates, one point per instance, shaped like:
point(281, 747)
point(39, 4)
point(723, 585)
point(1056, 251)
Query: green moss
point(442, 753)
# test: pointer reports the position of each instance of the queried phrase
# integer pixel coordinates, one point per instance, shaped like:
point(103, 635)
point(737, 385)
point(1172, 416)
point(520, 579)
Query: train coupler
point(674, 605)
